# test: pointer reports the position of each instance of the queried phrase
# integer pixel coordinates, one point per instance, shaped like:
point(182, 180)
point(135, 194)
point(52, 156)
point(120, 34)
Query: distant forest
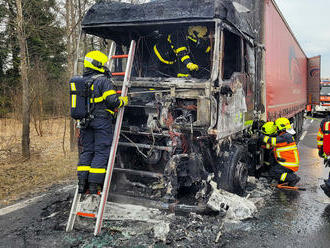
point(38, 43)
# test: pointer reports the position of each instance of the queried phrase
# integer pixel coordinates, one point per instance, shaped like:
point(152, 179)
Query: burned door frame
point(240, 83)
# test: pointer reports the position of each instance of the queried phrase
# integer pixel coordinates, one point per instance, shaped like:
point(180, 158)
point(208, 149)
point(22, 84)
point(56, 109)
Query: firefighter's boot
point(294, 181)
point(326, 187)
point(93, 188)
point(82, 186)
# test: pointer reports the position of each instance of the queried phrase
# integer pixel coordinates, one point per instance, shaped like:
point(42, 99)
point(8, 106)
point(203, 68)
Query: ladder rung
point(86, 214)
point(119, 56)
point(118, 74)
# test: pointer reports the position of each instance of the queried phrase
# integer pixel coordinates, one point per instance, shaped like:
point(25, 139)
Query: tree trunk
point(25, 83)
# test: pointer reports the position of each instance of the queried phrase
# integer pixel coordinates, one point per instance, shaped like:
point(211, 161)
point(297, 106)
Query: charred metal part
point(139, 173)
point(115, 14)
point(185, 129)
point(164, 148)
point(183, 170)
point(132, 94)
point(172, 207)
point(240, 177)
point(163, 134)
point(154, 157)
point(193, 85)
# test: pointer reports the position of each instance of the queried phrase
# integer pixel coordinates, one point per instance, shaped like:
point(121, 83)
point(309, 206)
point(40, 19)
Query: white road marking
point(23, 204)
point(303, 135)
point(19, 205)
point(312, 120)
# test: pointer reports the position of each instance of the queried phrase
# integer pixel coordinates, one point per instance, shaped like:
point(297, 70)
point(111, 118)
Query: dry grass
point(48, 164)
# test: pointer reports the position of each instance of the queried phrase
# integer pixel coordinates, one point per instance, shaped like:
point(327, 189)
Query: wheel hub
point(241, 175)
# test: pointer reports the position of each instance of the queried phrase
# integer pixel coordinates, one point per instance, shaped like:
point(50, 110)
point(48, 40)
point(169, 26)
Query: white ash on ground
point(126, 225)
point(149, 227)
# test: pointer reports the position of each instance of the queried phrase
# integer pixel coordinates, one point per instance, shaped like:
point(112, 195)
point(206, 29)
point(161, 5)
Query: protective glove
point(123, 101)
point(321, 153)
point(192, 67)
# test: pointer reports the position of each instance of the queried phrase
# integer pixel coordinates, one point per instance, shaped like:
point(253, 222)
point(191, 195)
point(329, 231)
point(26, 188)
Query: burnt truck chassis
point(166, 142)
point(178, 134)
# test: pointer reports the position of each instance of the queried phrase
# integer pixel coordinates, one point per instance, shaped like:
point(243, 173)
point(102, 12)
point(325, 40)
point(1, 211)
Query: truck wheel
point(296, 124)
point(234, 172)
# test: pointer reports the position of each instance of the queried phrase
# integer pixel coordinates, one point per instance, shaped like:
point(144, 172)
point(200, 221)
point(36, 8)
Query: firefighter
point(267, 129)
point(171, 55)
point(286, 155)
point(323, 145)
point(200, 48)
point(96, 135)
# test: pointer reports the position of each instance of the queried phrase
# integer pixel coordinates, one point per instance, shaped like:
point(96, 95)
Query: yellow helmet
point(200, 31)
point(269, 128)
point(283, 124)
point(95, 60)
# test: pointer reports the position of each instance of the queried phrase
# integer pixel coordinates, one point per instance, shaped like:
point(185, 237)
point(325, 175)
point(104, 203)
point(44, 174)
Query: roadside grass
point(48, 165)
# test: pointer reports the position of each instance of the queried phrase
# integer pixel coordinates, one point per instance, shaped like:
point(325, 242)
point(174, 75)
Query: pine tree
point(32, 39)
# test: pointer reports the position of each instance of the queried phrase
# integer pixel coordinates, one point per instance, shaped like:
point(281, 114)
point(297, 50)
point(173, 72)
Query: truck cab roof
point(110, 19)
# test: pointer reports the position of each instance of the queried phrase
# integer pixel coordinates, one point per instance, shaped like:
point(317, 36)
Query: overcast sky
point(310, 22)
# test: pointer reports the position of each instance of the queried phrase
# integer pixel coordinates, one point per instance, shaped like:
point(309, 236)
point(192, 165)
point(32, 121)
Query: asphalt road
point(289, 219)
point(293, 218)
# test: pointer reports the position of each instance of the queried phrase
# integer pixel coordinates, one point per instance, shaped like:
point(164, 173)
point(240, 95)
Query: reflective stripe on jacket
point(105, 96)
point(319, 138)
point(285, 150)
point(172, 48)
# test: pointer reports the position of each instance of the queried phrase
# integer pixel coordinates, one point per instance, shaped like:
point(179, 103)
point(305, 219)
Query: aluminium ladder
point(76, 204)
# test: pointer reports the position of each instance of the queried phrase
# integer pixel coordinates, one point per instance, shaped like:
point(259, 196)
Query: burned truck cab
point(179, 133)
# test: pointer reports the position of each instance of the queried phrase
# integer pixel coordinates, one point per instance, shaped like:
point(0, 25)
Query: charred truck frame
point(178, 133)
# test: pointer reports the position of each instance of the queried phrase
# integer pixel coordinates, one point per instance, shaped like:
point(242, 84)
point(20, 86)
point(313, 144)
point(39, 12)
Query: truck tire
point(301, 121)
point(296, 127)
point(234, 172)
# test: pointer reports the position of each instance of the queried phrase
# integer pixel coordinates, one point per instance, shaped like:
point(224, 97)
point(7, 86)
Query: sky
point(310, 22)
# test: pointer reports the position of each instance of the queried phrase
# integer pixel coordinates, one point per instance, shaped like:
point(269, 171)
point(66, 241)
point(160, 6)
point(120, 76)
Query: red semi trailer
point(187, 128)
point(291, 78)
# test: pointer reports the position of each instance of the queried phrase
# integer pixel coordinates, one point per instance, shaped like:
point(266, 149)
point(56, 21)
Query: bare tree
point(25, 82)
point(75, 9)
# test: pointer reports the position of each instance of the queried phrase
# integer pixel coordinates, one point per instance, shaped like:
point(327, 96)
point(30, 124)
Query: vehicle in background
point(324, 104)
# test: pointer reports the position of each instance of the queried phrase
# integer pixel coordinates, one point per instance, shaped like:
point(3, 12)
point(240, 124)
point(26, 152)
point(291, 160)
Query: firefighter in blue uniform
point(96, 136)
point(199, 45)
point(172, 53)
point(268, 129)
